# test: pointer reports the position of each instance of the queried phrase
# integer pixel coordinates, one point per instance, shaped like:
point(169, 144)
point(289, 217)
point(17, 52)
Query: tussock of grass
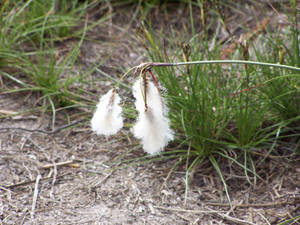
point(28, 54)
point(216, 109)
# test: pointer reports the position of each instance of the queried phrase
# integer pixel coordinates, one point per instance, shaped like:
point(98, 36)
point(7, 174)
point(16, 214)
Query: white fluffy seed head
point(107, 119)
point(152, 126)
point(153, 97)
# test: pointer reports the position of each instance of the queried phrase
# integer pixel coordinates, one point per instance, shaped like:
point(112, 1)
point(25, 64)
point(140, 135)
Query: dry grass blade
point(54, 131)
point(35, 196)
point(188, 211)
point(261, 205)
point(233, 219)
point(24, 183)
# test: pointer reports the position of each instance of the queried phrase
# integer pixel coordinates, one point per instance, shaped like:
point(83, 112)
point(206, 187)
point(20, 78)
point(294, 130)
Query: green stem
point(159, 64)
point(148, 66)
point(123, 76)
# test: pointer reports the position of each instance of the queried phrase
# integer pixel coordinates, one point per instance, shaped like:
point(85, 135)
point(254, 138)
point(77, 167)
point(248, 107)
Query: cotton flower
point(152, 126)
point(107, 119)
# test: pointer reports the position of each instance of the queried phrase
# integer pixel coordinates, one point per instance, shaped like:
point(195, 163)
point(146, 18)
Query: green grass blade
point(217, 168)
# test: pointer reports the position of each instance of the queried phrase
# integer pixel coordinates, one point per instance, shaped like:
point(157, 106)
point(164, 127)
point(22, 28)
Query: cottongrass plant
point(206, 134)
point(153, 125)
point(228, 113)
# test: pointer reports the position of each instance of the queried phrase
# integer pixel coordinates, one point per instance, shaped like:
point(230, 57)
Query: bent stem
point(147, 66)
point(144, 67)
point(123, 76)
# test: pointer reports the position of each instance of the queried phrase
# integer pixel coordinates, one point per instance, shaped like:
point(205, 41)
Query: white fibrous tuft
point(107, 119)
point(152, 126)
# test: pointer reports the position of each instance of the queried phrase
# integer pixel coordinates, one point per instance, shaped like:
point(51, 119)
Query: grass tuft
point(216, 109)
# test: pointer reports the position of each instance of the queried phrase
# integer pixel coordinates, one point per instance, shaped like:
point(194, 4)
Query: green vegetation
point(30, 32)
point(231, 112)
point(219, 112)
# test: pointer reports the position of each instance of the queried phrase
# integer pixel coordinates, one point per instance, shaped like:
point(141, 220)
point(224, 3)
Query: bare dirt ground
point(64, 177)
